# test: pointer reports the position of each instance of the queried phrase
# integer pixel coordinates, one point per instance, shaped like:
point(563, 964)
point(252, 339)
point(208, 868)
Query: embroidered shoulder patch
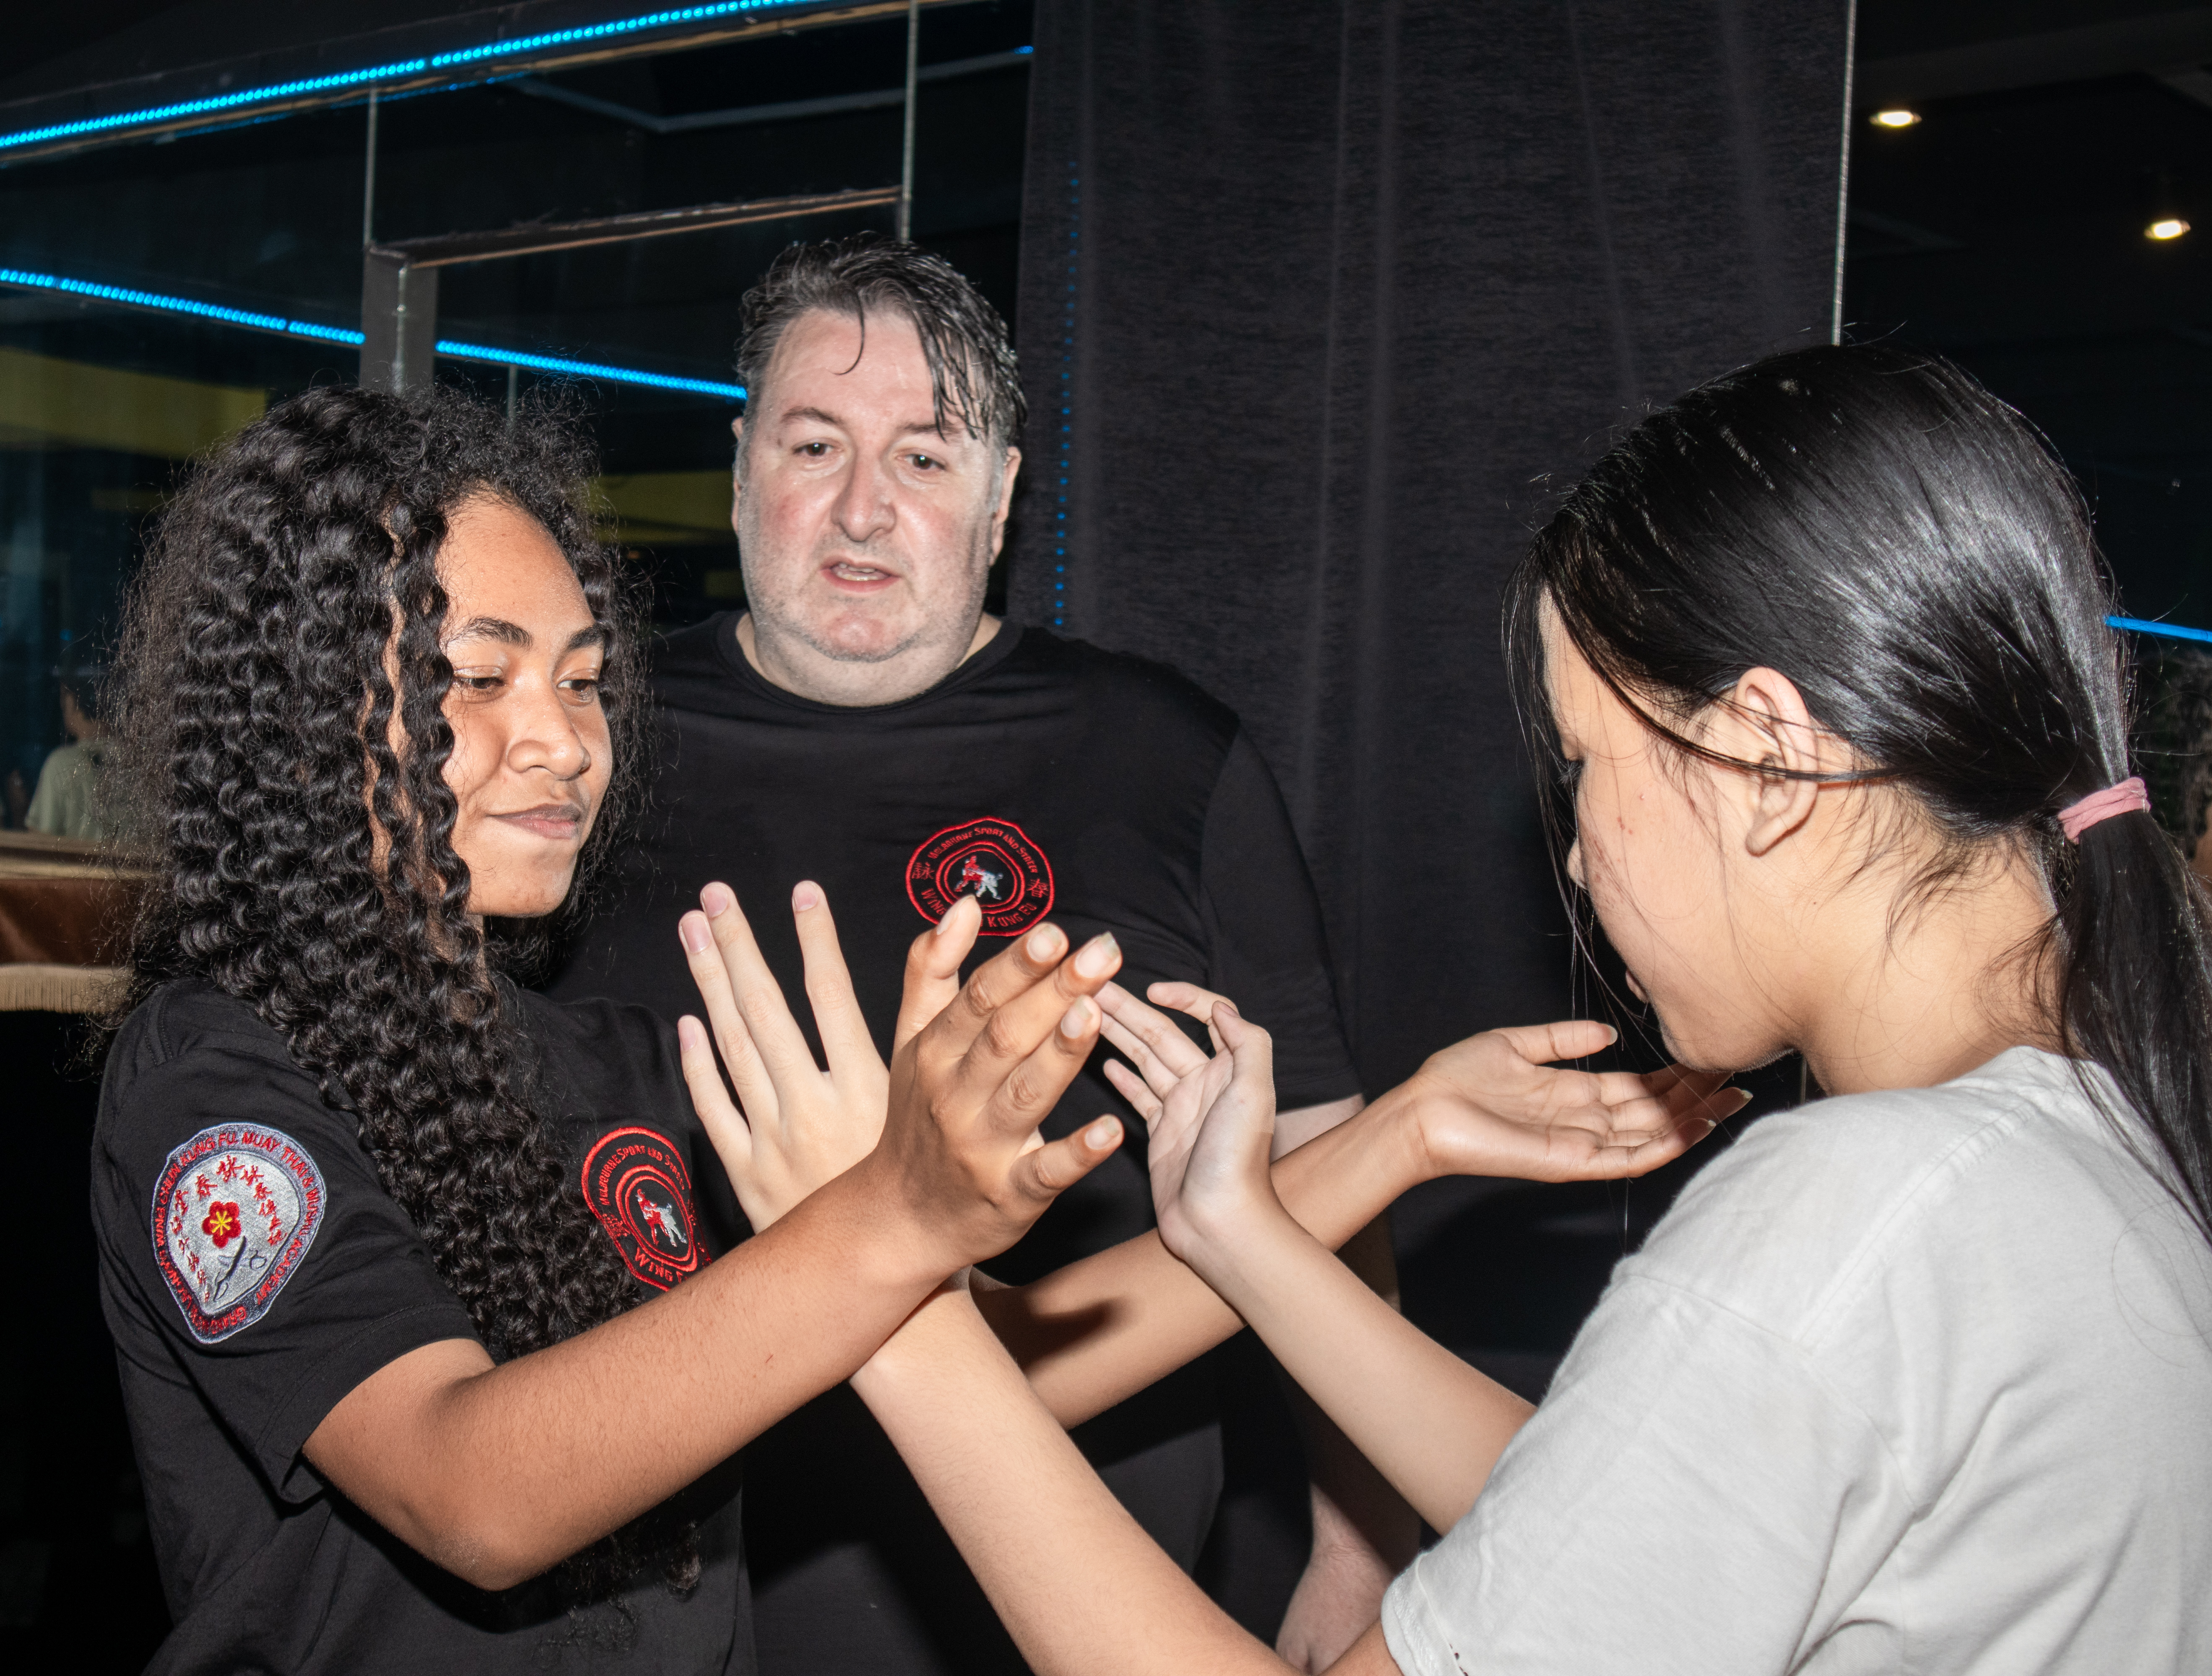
point(637, 1186)
point(235, 1210)
point(991, 859)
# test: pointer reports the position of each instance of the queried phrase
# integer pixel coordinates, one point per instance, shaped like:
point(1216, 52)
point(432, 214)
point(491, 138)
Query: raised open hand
point(800, 1125)
point(973, 1076)
point(1211, 1118)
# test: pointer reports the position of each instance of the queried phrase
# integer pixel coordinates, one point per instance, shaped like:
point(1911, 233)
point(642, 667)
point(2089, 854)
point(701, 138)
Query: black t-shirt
point(1047, 777)
point(253, 1271)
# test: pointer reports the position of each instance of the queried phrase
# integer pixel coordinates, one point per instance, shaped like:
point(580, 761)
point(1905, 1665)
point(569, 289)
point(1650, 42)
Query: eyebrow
point(953, 425)
point(514, 634)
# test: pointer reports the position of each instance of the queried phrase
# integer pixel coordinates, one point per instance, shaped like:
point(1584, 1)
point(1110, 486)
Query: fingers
point(1134, 1089)
point(997, 982)
point(749, 1074)
point(1186, 998)
point(933, 968)
point(726, 1128)
point(837, 1019)
point(1159, 1050)
point(775, 1034)
point(1570, 1039)
point(1025, 1093)
point(1051, 1169)
point(1015, 1027)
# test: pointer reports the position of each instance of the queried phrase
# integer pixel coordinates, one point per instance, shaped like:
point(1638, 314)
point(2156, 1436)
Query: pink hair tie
point(2124, 799)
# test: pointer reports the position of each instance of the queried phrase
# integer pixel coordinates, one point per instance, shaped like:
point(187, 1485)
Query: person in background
point(865, 723)
point(68, 803)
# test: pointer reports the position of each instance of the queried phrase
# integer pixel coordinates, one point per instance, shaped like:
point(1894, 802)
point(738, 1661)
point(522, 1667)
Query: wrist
point(1400, 1134)
point(893, 1239)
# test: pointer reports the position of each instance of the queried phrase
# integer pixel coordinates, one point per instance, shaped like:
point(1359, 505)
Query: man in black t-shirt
point(868, 726)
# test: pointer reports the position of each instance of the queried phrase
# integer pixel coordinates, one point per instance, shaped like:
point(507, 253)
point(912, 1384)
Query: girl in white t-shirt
point(1919, 1377)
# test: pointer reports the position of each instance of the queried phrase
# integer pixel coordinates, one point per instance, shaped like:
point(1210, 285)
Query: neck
point(797, 668)
point(1906, 993)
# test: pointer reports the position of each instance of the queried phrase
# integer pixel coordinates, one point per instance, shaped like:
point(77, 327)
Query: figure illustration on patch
point(235, 1209)
point(636, 1185)
point(991, 859)
point(661, 1219)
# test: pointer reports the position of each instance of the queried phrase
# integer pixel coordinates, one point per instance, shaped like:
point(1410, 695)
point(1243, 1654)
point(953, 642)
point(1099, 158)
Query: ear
point(1767, 723)
point(1007, 473)
point(737, 476)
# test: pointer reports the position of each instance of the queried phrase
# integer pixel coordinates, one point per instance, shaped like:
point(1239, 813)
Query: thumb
point(1046, 1172)
point(933, 968)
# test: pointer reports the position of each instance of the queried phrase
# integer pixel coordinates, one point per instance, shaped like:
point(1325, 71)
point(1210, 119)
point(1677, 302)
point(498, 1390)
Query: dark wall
point(1323, 300)
point(1316, 294)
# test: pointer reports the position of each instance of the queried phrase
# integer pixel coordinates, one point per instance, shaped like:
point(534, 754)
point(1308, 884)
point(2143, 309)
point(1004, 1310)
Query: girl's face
point(1653, 833)
point(532, 752)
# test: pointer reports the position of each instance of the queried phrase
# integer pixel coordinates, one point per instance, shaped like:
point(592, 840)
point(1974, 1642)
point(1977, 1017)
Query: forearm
point(1077, 1582)
point(1100, 1330)
point(1355, 1511)
point(1430, 1423)
point(500, 1473)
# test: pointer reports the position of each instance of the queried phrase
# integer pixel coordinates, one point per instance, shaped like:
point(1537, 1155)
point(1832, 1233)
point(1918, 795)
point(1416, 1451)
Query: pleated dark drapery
point(1320, 299)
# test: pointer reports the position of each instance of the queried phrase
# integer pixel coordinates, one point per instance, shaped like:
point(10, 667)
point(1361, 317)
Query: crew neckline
point(731, 656)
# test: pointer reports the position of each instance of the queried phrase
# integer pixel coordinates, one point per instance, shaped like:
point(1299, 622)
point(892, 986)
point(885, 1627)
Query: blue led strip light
point(396, 71)
point(589, 369)
point(2172, 631)
point(1065, 454)
point(123, 294)
point(256, 321)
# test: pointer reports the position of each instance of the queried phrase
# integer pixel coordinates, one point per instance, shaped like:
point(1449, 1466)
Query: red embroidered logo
point(636, 1185)
point(993, 861)
point(226, 1258)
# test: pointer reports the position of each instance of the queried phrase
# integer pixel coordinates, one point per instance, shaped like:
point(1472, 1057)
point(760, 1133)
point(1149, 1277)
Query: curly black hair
point(259, 698)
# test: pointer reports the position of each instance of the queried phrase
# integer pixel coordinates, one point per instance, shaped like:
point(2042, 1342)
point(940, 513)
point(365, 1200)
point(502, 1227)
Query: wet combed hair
point(258, 710)
point(973, 375)
point(1902, 545)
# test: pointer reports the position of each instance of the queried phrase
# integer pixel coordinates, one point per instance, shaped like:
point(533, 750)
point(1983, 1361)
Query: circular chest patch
point(992, 860)
point(235, 1210)
point(636, 1185)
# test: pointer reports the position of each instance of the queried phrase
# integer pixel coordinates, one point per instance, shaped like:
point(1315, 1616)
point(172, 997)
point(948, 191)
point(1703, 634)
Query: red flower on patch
point(221, 1224)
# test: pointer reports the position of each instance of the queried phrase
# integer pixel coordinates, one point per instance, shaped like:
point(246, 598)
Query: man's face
point(864, 535)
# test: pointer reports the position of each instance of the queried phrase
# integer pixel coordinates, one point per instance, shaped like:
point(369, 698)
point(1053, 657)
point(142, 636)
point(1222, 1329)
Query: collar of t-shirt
point(974, 668)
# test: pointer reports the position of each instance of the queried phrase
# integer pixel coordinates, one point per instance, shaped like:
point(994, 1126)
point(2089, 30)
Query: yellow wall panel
point(656, 508)
point(43, 399)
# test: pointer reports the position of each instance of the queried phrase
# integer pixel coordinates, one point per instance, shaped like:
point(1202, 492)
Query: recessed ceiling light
point(2166, 227)
point(1896, 116)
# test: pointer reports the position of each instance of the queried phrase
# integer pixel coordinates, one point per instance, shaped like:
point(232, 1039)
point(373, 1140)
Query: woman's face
point(1652, 848)
point(531, 749)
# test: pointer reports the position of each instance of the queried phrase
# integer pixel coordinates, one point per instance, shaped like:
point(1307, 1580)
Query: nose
point(545, 735)
point(864, 506)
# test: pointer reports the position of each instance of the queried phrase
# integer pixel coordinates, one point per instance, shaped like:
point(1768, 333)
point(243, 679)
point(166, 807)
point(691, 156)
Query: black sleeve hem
point(335, 1375)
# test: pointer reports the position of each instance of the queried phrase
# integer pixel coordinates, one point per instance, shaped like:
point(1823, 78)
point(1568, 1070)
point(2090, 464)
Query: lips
point(856, 576)
point(560, 821)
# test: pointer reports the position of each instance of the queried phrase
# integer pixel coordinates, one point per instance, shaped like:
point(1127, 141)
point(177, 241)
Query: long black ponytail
point(1877, 526)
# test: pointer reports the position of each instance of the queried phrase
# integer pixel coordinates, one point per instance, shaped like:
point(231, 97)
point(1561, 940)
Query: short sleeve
point(1270, 954)
point(245, 1236)
point(1692, 1496)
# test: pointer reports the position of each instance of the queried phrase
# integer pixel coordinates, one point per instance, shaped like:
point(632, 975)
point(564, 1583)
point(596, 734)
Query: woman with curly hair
point(427, 1364)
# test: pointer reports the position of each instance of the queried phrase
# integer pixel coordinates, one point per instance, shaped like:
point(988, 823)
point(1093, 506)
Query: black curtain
point(1322, 302)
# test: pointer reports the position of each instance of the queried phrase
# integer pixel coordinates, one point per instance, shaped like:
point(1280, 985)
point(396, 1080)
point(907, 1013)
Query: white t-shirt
point(1911, 1381)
